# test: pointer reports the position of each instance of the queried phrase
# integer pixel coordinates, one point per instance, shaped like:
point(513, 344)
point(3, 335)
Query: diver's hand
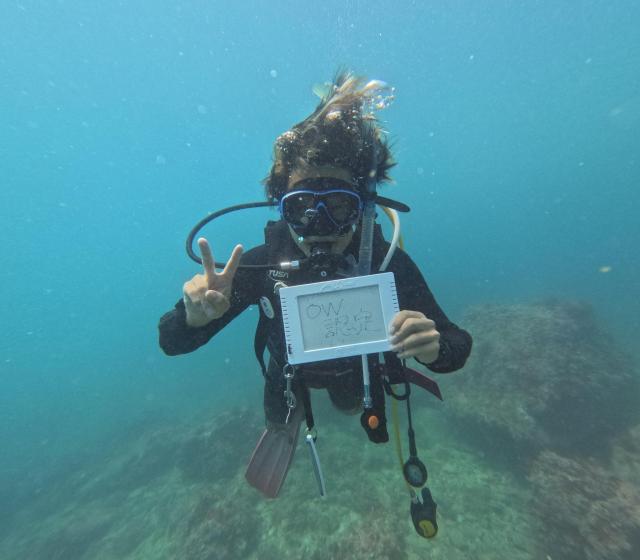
point(206, 296)
point(414, 335)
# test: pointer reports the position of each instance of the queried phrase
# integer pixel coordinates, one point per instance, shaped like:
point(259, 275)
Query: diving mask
point(321, 212)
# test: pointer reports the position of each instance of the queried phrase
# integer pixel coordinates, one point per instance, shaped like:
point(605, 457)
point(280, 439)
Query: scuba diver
point(323, 181)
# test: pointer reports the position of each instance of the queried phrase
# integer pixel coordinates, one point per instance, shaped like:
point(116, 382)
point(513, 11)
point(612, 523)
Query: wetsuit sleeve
point(176, 337)
point(415, 295)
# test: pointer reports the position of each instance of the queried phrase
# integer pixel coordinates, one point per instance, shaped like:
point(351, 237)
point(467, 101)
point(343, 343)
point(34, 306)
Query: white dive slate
point(338, 318)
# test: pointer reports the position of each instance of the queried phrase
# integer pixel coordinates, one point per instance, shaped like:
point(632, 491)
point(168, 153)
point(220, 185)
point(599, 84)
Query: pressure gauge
point(415, 473)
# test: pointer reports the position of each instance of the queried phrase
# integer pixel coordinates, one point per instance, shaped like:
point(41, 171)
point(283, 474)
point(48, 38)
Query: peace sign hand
point(207, 296)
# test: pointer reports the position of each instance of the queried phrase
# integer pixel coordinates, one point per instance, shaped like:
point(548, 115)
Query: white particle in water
point(273, 73)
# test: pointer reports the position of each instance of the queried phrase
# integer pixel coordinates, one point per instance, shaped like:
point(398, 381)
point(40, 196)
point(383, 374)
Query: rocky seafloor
point(535, 453)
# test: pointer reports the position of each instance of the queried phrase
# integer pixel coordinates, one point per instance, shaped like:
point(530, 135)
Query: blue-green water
point(516, 128)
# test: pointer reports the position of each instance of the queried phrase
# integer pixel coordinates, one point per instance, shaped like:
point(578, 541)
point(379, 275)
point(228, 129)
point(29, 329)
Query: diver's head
point(322, 165)
point(342, 133)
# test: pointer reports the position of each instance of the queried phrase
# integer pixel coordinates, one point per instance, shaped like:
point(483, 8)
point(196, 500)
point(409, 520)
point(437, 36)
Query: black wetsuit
point(341, 377)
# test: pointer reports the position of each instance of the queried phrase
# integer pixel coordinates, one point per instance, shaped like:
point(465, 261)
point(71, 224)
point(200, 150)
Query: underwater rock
point(589, 512)
point(76, 539)
point(203, 451)
point(211, 452)
point(542, 375)
point(220, 527)
point(372, 538)
point(626, 455)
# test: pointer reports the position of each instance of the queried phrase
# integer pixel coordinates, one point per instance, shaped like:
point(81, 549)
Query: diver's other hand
point(207, 296)
point(414, 335)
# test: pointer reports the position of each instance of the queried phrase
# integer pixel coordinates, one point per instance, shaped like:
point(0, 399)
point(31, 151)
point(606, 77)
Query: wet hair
point(343, 131)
